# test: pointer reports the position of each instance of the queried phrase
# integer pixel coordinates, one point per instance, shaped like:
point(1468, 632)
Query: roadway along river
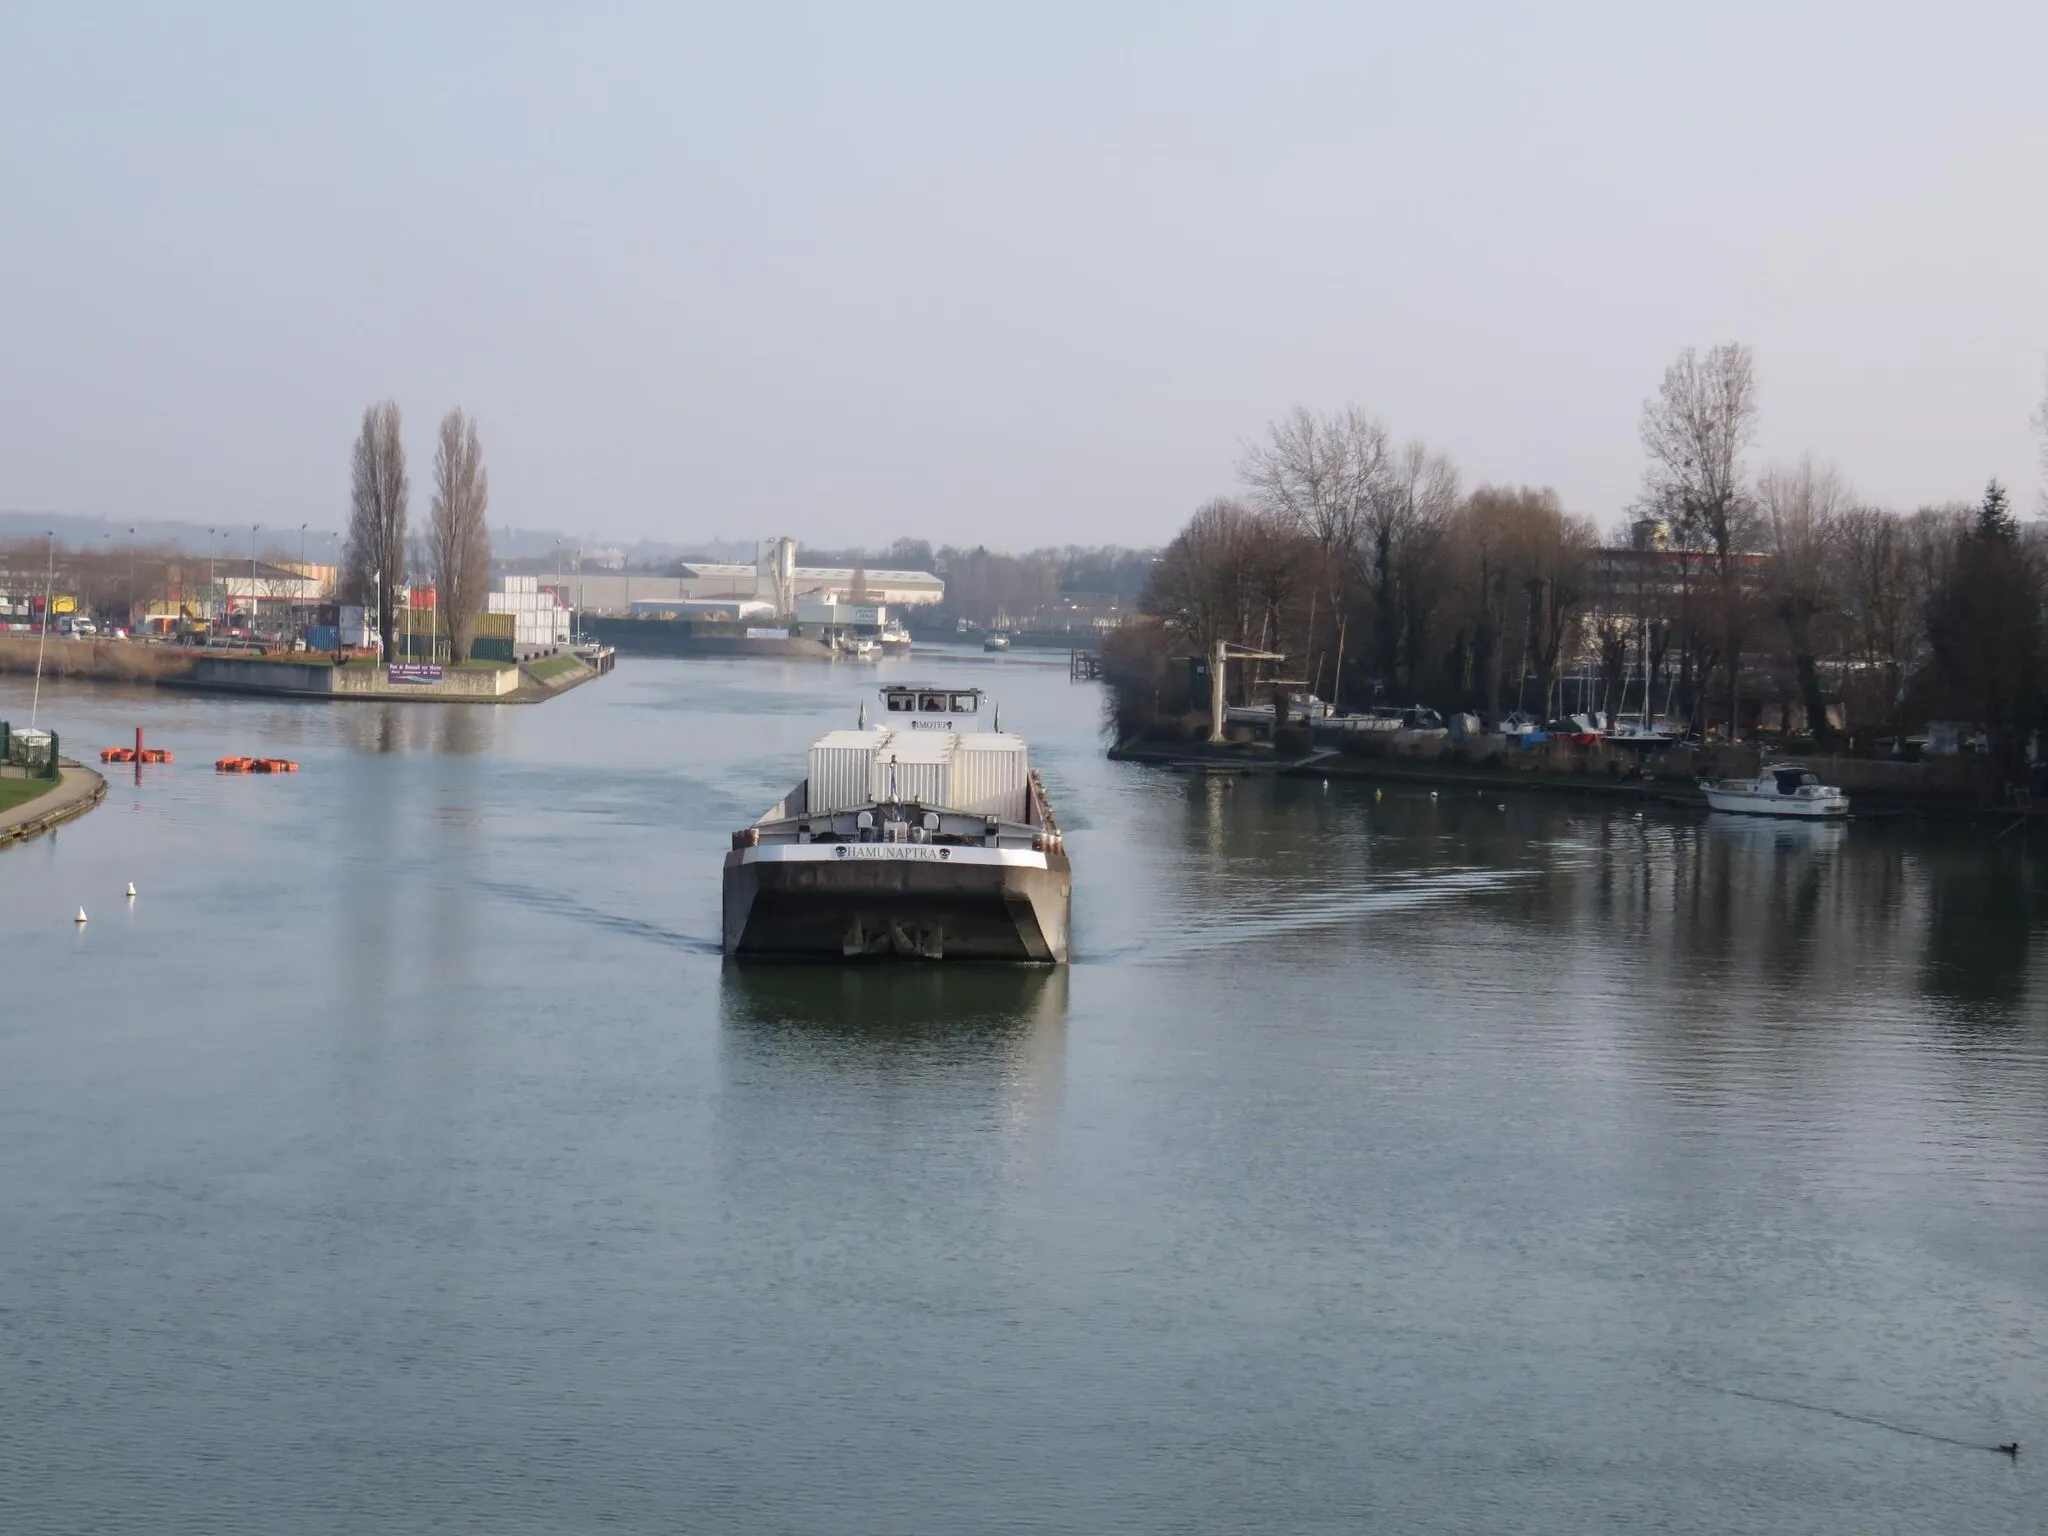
point(404, 1157)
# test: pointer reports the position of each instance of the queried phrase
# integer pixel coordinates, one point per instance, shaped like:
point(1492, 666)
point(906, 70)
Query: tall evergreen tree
point(1994, 518)
point(1984, 626)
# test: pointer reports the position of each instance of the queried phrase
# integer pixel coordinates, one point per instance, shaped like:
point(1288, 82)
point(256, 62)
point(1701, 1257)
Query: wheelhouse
point(929, 707)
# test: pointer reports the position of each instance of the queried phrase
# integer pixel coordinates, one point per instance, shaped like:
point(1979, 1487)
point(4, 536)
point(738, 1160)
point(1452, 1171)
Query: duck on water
point(925, 837)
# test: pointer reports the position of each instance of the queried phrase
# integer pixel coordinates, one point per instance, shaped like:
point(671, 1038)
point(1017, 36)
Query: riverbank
point(98, 661)
point(293, 675)
point(1943, 790)
point(77, 790)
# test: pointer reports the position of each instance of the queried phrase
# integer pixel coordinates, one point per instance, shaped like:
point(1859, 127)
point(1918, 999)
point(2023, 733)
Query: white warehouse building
point(775, 579)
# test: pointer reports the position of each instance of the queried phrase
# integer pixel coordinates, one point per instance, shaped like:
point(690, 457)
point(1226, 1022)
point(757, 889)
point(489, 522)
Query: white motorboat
point(995, 642)
point(1781, 789)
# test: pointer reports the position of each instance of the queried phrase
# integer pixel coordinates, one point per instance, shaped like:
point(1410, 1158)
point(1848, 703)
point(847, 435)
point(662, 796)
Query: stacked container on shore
point(539, 617)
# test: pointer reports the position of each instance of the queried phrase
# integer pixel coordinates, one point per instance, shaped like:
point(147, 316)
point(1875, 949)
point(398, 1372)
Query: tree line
point(1727, 586)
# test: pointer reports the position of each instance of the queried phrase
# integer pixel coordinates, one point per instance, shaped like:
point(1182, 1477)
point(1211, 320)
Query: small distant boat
point(1633, 733)
point(1301, 709)
point(895, 637)
point(1781, 789)
point(996, 643)
point(858, 648)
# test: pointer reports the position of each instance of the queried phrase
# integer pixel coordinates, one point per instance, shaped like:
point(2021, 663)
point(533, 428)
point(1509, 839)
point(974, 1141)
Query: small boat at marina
point(995, 642)
point(1302, 709)
point(1779, 789)
point(1634, 733)
point(927, 837)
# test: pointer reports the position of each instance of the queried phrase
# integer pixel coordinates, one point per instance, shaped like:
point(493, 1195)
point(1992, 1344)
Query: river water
point(404, 1157)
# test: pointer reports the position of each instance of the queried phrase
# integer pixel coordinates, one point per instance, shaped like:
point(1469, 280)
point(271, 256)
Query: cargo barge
point(926, 837)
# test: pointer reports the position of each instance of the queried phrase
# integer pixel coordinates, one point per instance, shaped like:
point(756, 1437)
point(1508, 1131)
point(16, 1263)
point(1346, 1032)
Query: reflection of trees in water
point(1701, 913)
point(464, 729)
point(1983, 904)
point(455, 730)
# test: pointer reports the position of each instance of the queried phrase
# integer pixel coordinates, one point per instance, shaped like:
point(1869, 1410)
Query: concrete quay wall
point(311, 680)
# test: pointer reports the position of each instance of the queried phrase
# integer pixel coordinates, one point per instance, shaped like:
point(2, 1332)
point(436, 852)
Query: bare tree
point(1696, 431)
point(1498, 540)
point(1874, 561)
point(1801, 511)
point(1408, 512)
point(1556, 554)
point(459, 537)
point(375, 563)
point(1206, 584)
point(1318, 475)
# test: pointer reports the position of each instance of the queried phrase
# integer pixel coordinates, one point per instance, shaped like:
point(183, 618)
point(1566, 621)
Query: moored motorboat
point(1780, 789)
point(924, 837)
point(995, 642)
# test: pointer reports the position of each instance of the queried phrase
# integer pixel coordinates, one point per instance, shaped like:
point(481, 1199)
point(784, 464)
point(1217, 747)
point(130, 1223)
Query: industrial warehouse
point(773, 607)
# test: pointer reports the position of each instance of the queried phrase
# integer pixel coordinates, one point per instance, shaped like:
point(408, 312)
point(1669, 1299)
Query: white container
point(840, 765)
point(915, 765)
point(990, 773)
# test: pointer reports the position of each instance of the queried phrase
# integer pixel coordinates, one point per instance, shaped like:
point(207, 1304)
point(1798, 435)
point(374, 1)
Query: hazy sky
point(1018, 274)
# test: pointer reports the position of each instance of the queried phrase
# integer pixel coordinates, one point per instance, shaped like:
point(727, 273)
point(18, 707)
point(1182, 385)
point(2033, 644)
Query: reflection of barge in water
point(925, 837)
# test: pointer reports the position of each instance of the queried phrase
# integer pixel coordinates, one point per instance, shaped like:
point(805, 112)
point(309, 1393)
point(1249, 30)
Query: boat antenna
point(999, 717)
point(863, 714)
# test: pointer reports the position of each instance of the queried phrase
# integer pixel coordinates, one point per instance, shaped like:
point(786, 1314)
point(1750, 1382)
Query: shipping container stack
point(540, 621)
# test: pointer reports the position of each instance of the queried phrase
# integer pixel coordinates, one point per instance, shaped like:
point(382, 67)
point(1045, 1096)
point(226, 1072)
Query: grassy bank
point(551, 666)
point(106, 661)
point(14, 792)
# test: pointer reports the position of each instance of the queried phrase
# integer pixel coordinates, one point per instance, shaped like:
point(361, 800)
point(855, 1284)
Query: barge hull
point(860, 910)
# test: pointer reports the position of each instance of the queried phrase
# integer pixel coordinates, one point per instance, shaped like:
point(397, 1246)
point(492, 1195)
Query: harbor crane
point(1226, 653)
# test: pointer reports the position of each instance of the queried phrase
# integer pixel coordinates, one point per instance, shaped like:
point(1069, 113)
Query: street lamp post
point(299, 591)
point(49, 590)
point(212, 590)
point(131, 583)
point(252, 581)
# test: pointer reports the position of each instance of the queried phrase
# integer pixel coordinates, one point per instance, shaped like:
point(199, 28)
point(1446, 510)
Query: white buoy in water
point(81, 916)
point(131, 890)
point(1326, 783)
point(1432, 794)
